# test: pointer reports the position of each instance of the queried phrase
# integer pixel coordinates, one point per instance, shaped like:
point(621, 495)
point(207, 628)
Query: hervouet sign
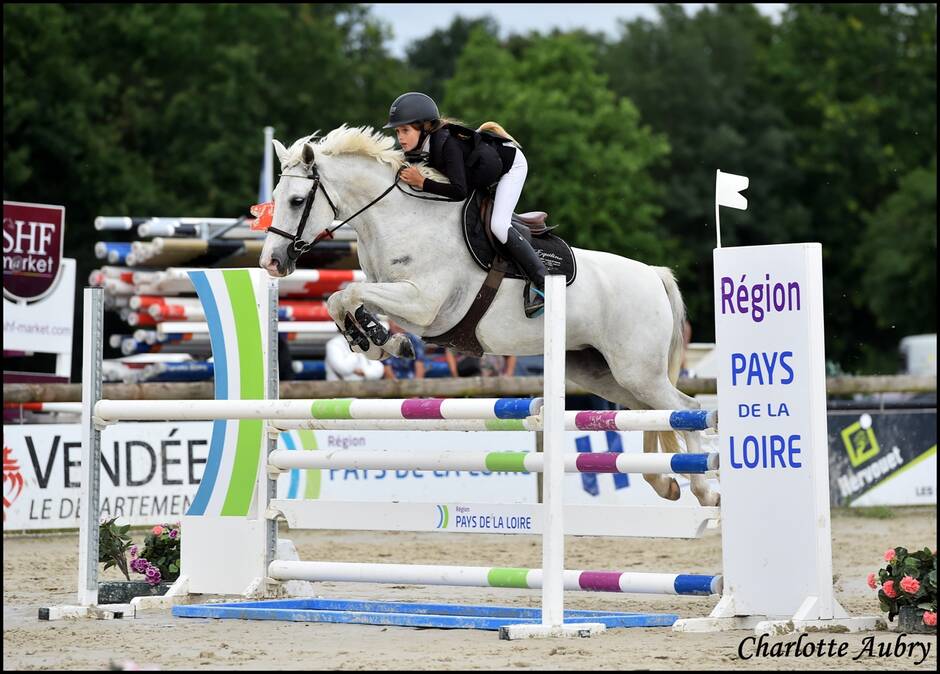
point(33, 238)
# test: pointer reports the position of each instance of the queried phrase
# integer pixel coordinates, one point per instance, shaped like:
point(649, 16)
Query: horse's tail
point(676, 303)
point(668, 439)
point(496, 127)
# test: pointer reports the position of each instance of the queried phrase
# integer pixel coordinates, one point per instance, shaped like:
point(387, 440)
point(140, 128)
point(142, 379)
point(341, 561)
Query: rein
point(298, 246)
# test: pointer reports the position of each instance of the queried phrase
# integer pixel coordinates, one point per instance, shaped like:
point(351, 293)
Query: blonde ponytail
point(495, 127)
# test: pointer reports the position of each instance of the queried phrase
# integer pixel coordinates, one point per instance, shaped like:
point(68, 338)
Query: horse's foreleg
point(357, 338)
point(402, 299)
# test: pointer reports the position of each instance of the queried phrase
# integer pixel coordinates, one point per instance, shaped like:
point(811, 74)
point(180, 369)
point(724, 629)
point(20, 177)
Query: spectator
point(497, 366)
point(462, 365)
point(402, 368)
point(343, 364)
point(436, 364)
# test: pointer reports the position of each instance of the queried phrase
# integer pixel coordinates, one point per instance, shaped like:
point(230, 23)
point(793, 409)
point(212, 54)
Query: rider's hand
point(413, 177)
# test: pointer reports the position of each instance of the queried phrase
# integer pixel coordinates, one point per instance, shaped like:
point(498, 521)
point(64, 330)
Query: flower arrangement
point(159, 561)
point(908, 580)
point(113, 543)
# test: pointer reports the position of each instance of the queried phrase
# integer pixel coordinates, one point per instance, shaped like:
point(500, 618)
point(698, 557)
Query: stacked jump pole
point(236, 508)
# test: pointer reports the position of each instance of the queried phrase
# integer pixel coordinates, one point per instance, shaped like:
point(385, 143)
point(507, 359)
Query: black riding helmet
point(412, 107)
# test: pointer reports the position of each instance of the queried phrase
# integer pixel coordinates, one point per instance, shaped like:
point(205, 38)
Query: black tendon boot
point(529, 261)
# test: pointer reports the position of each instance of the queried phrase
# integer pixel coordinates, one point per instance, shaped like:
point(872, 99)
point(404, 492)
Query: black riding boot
point(529, 261)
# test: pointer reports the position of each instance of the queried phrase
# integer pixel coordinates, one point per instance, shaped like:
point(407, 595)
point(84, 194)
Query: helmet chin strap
point(419, 154)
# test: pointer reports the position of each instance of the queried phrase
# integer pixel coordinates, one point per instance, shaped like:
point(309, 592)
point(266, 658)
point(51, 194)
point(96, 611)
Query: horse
point(624, 322)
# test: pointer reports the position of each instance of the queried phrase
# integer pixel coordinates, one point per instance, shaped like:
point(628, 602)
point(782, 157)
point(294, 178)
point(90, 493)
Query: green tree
point(858, 86)
point(434, 58)
point(589, 155)
point(698, 80)
point(897, 264)
point(157, 109)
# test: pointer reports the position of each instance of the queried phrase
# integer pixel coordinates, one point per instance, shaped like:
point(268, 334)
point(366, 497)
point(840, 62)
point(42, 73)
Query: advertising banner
point(883, 457)
point(33, 236)
point(44, 326)
point(150, 471)
point(772, 416)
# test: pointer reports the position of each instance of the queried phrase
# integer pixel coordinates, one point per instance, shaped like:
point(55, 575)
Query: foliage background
point(158, 110)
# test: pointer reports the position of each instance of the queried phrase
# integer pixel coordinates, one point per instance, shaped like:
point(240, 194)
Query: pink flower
point(930, 617)
point(157, 530)
point(889, 590)
point(871, 581)
point(133, 552)
point(890, 555)
point(910, 585)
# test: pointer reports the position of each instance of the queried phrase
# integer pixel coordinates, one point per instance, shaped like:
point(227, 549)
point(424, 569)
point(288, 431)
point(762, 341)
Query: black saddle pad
point(555, 253)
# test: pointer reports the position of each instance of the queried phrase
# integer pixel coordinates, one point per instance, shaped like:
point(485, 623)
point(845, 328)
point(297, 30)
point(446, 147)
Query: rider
point(424, 136)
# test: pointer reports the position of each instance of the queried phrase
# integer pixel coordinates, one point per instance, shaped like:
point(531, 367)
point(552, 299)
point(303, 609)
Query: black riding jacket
point(466, 169)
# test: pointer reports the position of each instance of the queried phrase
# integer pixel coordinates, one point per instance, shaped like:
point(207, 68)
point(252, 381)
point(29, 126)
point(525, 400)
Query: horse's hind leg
point(654, 391)
point(697, 483)
point(589, 369)
point(662, 395)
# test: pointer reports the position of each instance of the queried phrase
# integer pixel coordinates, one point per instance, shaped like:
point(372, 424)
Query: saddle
point(485, 250)
point(554, 252)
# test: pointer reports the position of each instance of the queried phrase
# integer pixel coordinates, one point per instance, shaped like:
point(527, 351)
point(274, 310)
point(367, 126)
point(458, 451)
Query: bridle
point(297, 245)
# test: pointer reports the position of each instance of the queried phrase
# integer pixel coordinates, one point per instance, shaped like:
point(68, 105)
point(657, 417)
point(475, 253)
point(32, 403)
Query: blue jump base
point(443, 616)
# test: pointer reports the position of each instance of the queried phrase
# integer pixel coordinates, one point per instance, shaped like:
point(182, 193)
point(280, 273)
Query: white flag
point(727, 193)
point(727, 189)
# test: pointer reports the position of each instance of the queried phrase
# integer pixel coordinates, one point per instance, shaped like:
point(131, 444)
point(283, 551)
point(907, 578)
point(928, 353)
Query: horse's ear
point(280, 150)
point(307, 155)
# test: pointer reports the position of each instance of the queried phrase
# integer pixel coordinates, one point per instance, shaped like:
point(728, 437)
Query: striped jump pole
point(532, 423)
point(509, 462)
point(622, 420)
point(642, 420)
point(62, 408)
point(484, 576)
point(108, 411)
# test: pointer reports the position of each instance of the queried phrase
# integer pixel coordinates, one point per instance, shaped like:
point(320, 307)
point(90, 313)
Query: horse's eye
point(297, 201)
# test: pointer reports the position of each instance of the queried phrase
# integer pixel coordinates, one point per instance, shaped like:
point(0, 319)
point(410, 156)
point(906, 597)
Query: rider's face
point(407, 137)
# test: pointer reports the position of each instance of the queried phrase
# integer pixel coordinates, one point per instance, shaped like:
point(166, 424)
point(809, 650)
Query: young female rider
point(424, 136)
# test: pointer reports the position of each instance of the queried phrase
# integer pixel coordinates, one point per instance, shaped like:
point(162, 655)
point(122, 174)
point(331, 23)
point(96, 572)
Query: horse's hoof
point(674, 491)
point(711, 498)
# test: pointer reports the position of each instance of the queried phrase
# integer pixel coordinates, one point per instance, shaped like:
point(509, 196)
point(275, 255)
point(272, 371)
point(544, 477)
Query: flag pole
point(717, 220)
point(267, 167)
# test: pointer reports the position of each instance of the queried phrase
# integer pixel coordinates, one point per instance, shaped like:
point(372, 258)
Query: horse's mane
point(362, 140)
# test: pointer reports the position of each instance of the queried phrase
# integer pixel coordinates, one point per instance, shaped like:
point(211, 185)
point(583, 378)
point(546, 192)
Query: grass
point(869, 512)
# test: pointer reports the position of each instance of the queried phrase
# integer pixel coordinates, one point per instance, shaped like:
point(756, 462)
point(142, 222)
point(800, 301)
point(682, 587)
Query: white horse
point(624, 318)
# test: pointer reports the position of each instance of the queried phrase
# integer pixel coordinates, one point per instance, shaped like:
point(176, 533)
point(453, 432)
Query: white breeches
point(507, 196)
